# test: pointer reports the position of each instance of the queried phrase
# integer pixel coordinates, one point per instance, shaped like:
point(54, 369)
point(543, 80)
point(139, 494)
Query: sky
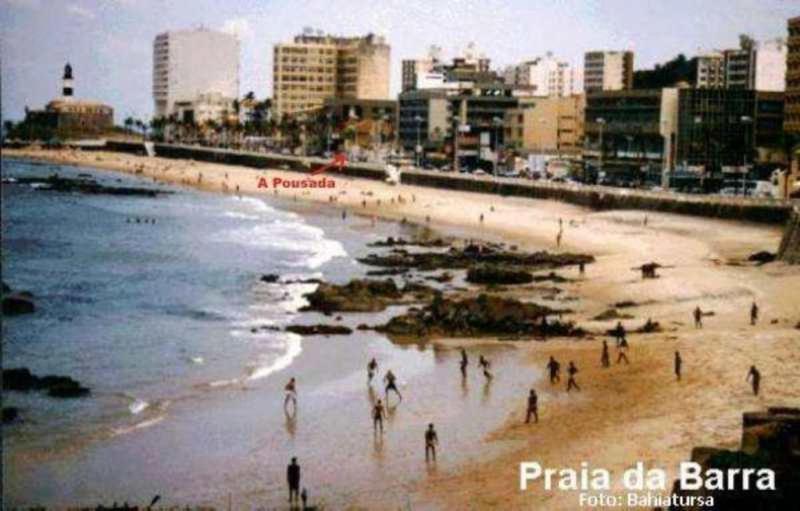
point(109, 42)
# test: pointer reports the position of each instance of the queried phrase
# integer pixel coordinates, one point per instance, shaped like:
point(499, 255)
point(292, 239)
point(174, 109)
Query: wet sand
point(623, 414)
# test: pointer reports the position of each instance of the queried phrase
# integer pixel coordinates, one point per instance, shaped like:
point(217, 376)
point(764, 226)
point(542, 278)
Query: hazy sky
point(109, 42)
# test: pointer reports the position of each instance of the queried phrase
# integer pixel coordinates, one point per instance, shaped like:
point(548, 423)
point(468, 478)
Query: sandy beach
point(626, 413)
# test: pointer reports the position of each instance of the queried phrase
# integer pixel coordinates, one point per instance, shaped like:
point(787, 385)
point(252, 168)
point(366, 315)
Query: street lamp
point(418, 148)
point(498, 124)
point(746, 120)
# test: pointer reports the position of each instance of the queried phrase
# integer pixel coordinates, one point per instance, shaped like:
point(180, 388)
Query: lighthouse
point(67, 88)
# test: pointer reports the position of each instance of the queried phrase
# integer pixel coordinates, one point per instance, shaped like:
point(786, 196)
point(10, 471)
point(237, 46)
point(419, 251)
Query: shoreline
point(622, 413)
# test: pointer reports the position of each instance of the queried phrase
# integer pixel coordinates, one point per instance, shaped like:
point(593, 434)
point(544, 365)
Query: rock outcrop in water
point(21, 379)
point(10, 414)
point(484, 315)
point(770, 440)
point(18, 303)
point(319, 329)
point(89, 186)
point(364, 295)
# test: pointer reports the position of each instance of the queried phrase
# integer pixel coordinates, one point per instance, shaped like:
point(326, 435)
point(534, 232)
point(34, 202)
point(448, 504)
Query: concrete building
point(710, 71)
point(67, 117)
point(791, 123)
point(607, 71)
point(206, 108)
point(373, 120)
point(757, 66)
point(548, 125)
point(313, 68)
point(543, 76)
point(415, 69)
point(423, 118)
point(630, 134)
point(190, 63)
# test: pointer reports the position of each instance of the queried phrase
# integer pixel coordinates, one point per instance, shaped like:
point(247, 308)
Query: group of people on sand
point(483, 363)
point(137, 220)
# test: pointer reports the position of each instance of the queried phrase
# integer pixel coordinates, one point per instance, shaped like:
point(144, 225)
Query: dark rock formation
point(89, 186)
point(388, 272)
point(770, 440)
point(484, 315)
point(270, 278)
point(762, 257)
point(649, 327)
point(789, 249)
point(10, 414)
point(471, 255)
point(400, 242)
point(364, 295)
point(319, 329)
point(490, 274)
point(18, 303)
point(611, 314)
point(21, 379)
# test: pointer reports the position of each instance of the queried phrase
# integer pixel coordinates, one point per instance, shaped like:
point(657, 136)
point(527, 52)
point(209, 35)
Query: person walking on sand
point(755, 376)
point(619, 333)
point(604, 358)
point(391, 384)
point(293, 478)
point(372, 368)
point(378, 413)
point(581, 267)
point(623, 348)
point(304, 499)
point(431, 441)
point(678, 364)
point(344, 214)
point(554, 368)
point(572, 371)
point(533, 407)
point(754, 313)
point(485, 364)
point(698, 317)
point(291, 393)
point(481, 218)
point(558, 237)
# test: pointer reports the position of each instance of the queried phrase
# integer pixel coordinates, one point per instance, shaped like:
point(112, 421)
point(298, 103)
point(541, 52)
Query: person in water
point(372, 368)
point(291, 393)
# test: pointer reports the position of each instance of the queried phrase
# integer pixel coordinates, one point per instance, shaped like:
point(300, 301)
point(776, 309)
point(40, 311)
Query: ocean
point(168, 323)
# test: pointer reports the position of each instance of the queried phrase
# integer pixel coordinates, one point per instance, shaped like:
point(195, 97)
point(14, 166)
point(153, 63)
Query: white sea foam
point(198, 360)
point(138, 406)
point(254, 203)
point(139, 425)
point(243, 216)
point(272, 364)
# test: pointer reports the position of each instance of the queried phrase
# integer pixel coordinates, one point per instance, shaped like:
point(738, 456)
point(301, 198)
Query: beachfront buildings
point(607, 70)
point(68, 117)
point(414, 71)
point(543, 76)
point(367, 122)
point(710, 70)
point(190, 67)
point(313, 68)
point(423, 120)
point(791, 123)
point(546, 125)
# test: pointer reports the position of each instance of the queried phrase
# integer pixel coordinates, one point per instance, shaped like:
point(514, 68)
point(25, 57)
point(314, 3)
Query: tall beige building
point(313, 68)
point(607, 70)
point(547, 125)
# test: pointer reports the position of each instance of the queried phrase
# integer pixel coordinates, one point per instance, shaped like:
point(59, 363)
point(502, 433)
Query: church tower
point(66, 89)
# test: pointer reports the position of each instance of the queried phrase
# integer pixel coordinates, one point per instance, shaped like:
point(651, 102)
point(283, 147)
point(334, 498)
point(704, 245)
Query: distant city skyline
point(109, 42)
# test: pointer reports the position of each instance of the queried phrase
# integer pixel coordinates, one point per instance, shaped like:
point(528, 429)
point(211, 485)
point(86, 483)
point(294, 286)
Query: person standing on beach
point(293, 478)
point(391, 384)
point(533, 407)
point(755, 376)
point(372, 367)
point(619, 333)
point(485, 364)
point(481, 218)
point(581, 267)
point(572, 371)
point(604, 358)
point(754, 313)
point(378, 413)
point(431, 441)
point(554, 368)
point(698, 317)
point(344, 214)
point(678, 364)
point(623, 348)
point(558, 237)
point(291, 393)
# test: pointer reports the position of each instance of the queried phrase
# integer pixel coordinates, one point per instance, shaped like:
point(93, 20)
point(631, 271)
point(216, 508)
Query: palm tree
point(129, 123)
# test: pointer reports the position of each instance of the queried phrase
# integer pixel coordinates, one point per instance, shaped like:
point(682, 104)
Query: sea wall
point(594, 197)
point(789, 250)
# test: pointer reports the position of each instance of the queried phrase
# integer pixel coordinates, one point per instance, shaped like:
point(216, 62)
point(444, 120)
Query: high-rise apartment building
point(190, 63)
point(313, 68)
point(607, 70)
point(710, 71)
point(756, 66)
point(791, 119)
point(544, 76)
point(415, 70)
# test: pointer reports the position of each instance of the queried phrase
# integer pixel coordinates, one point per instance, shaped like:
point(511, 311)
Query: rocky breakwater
point(364, 295)
point(21, 379)
point(15, 303)
point(770, 442)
